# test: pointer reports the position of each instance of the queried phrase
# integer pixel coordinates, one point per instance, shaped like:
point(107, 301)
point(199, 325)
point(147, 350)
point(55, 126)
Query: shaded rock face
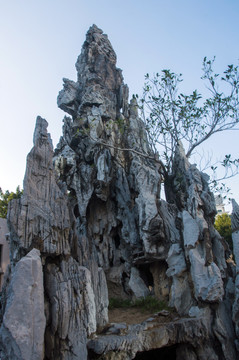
point(41, 218)
point(235, 240)
point(115, 194)
point(42, 221)
point(92, 214)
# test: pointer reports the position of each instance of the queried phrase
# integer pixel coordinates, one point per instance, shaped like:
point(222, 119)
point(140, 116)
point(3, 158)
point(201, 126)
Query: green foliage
point(6, 197)
point(149, 303)
point(121, 125)
point(115, 303)
point(171, 116)
point(223, 226)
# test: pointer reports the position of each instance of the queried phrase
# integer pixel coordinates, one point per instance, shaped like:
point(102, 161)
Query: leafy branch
point(171, 116)
point(6, 197)
point(86, 131)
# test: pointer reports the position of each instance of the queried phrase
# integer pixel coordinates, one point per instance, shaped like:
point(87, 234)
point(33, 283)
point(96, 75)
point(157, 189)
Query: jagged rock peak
point(100, 230)
point(98, 55)
point(235, 216)
point(40, 133)
point(97, 39)
point(99, 89)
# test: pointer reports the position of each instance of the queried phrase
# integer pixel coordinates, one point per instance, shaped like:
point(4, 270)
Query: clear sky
point(40, 42)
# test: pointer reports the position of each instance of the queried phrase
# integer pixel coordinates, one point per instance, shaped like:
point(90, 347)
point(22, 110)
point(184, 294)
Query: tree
point(171, 116)
point(6, 197)
point(223, 226)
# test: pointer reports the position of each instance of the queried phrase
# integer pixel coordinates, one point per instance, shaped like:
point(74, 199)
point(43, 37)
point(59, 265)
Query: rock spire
point(91, 217)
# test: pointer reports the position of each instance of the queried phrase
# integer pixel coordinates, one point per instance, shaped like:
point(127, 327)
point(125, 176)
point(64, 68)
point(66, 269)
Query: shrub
point(223, 226)
point(149, 303)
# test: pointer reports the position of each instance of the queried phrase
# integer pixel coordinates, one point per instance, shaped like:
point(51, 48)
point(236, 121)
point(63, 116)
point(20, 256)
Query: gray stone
point(72, 309)
point(235, 232)
point(23, 327)
point(208, 284)
point(186, 352)
point(137, 339)
point(137, 284)
point(235, 215)
point(235, 239)
point(93, 210)
point(117, 329)
point(41, 217)
point(180, 294)
point(190, 231)
point(224, 330)
point(176, 261)
point(195, 311)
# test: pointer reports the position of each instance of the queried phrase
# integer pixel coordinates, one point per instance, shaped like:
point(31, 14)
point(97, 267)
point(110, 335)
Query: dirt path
point(136, 316)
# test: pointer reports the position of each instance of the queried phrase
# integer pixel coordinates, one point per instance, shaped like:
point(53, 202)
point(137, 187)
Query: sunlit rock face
point(92, 215)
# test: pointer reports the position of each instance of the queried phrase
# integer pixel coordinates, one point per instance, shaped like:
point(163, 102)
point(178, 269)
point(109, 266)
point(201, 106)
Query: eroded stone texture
point(132, 234)
point(115, 193)
point(40, 219)
point(95, 213)
point(203, 249)
point(235, 240)
point(23, 327)
point(71, 311)
point(148, 336)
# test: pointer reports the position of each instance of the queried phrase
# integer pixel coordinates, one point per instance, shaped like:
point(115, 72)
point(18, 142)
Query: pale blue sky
point(40, 42)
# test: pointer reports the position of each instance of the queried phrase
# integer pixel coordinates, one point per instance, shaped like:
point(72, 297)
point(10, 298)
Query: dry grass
point(135, 312)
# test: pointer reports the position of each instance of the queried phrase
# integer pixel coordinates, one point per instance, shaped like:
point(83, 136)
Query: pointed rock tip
point(180, 151)
point(41, 126)
point(235, 216)
point(41, 121)
point(96, 43)
point(235, 206)
point(94, 29)
point(40, 130)
point(180, 158)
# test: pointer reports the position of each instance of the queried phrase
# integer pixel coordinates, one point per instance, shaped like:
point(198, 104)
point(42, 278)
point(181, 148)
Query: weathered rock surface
point(41, 218)
point(235, 240)
point(94, 212)
point(23, 327)
point(148, 336)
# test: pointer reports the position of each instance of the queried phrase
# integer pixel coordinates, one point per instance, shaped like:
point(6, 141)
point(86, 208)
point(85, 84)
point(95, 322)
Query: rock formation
point(22, 331)
point(235, 239)
point(91, 225)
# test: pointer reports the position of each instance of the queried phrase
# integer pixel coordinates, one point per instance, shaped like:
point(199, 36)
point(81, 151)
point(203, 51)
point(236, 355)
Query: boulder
point(23, 327)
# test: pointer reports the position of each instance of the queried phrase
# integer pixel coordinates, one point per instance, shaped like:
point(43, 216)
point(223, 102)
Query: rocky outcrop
point(235, 240)
point(42, 222)
point(40, 219)
point(137, 340)
point(93, 213)
point(114, 192)
point(23, 327)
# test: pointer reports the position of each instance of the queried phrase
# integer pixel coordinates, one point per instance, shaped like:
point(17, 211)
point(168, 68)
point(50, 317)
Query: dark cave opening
point(76, 211)
point(123, 279)
point(146, 275)
point(117, 240)
point(168, 353)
